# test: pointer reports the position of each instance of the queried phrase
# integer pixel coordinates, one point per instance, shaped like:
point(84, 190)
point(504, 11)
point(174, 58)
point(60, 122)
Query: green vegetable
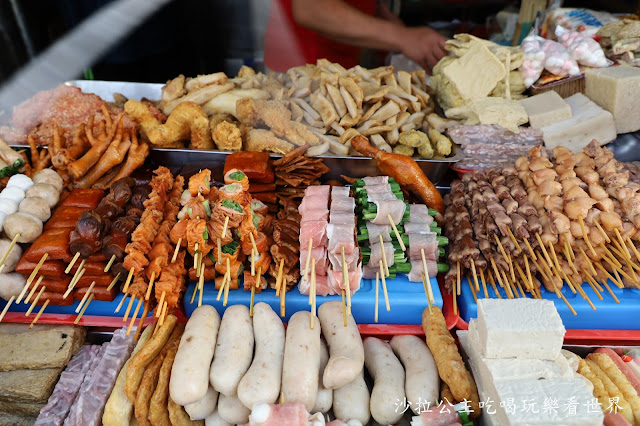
point(255, 218)
point(231, 248)
point(205, 234)
point(443, 241)
point(207, 183)
point(230, 204)
point(237, 176)
point(207, 207)
point(12, 170)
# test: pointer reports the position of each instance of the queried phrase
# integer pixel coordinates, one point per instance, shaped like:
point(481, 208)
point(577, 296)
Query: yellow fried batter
point(598, 387)
point(618, 378)
point(623, 406)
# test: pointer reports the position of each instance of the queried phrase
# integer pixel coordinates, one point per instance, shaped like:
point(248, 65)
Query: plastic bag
point(557, 59)
point(533, 59)
point(585, 50)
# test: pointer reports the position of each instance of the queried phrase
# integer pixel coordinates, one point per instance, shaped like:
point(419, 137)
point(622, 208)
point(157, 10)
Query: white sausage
point(261, 383)
point(388, 376)
point(351, 402)
point(189, 379)
point(324, 399)
point(301, 360)
point(11, 284)
point(215, 420)
point(232, 410)
point(345, 346)
point(234, 350)
point(205, 407)
point(422, 383)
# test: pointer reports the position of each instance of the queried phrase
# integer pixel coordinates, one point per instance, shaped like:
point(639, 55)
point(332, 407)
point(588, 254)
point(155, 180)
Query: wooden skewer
point(531, 252)
point(73, 262)
point(564, 299)
point(617, 269)
point(33, 290)
point(507, 283)
point(253, 242)
point(506, 256)
point(595, 282)
point(73, 283)
point(559, 270)
point(106, 268)
point(544, 250)
point(567, 238)
point(513, 238)
point(6, 308)
point(150, 286)
point(201, 285)
point(473, 271)
point(345, 280)
point(606, 285)
point(126, 313)
point(499, 278)
point(226, 289)
point(604, 234)
point(585, 236)
point(126, 284)
point(175, 252)
point(220, 290)
point(253, 262)
point(226, 225)
point(124, 297)
point(196, 253)
point(31, 277)
point(570, 256)
point(135, 315)
point(35, 301)
point(145, 312)
point(115, 280)
point(395, 231)
point(428, 281)
point(426, 293)
point(384, 287)
point(633, 248)
point(618, 279)
point(473, 291)
point(79, 267)
point(42, 308)
point(484, 284)
point(457, 289)
point(159, 310)
point(279, 277)
point(6, 253)
point(493, 284)
point(308, 261)
point(611, 256)
point(622, 244)
point(375, 311)
point(619, 285)
point(523, 277)
point(219, 244)
point(164, 313)
point(456, 285)
point(283, 294)
point(312, 294)
point(384, 256)
point(344, 309)
point(591, 282)
point(593, 270)
point(526, 266)
point(86, 295)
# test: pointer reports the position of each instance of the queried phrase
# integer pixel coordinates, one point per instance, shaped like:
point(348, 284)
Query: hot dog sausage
point(352, 401)
point(189, 379)
point(234, 350)
point(262, 381)
point(422, 381)
point(232, 410)
point(388, 376)
point(99, 293)
point(55, 299)
point(345, 346)
point(301, 360)
point(324, 399)
point(202, 409)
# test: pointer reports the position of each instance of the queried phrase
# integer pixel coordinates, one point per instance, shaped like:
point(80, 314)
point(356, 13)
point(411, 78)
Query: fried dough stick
point(158, 406)
point(113, 156)
point(81, 166)
point(146, 389)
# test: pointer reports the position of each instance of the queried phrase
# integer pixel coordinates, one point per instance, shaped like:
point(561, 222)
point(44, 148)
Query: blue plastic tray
point(608, 315)
point(406, 299)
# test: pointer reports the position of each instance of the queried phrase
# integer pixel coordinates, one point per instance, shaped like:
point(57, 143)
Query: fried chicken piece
point(277, 117)
point(226, 135)
point(200, 134)
point(173, 89)
point(264, 140)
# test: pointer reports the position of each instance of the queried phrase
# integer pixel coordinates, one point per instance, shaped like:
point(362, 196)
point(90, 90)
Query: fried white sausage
point(345, 346)
point(324, 399)
point(262, 381)
point(351, 402)
point(234, 350)
point(202, 409)
point(189, 379)
point(231, 410)
point(301, 360)
point(422, 384)
point(388, 377)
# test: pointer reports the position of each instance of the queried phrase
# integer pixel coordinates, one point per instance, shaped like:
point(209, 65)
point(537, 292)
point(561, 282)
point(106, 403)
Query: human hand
point(424, 46)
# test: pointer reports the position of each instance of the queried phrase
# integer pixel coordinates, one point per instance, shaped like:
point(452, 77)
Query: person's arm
point(339, 21)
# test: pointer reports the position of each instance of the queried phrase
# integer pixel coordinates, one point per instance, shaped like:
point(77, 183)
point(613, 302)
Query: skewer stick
point(42, 308)
point(513, 238)
point(308, 261)
point(484, 284)
point(145, 312)
point(115, 280)
point(567, 237)
point(159, 310)
point(124, 297)
point(570, 256)
point(604, 234)
point(456, 285)
point(201, 285)
point(633, 248)
point(6, 253)
point(611, 256)
point(611, 292)
point(559, 270)
point(73, 262)
point(135, 315)
point(384, 256)
point(619, 285)
point(395, 231)
point(226, 225)
point(622, 244)
point(426, 293)
point(533, 254)
point(498, 277)
point(253, 262)
point(33, 290)
point(312, 294)
point(126, 284)
point(544, 250)
point(150, 286)
point(507, 283)
point(220, 290)
point(6, 308)
point(617, 269)
point(253, 242)
point(428, 288)
point(585, 236)
point(35, 301)
point(283, 294)
point(595, 282)
point(164, 313)
point(526, 266)
point(80, 267)
point(564, 299)
point(345, 280)
point(175, 252)
point(219, 244)
point(384, 287)
point(591, 282)
point(523, 277)
point(473, 271)
point(106, 268)
point(493, 284)
point(473, 291)
point(126, 313)
point(507, 257)
point(615, 272)
point(458, 278)
point(196, 253)
point(73, 283)
point(86, 295)
point(593, 270)
point(253, 290)
point(279, 277)
point(375, 311)
point(226, 289)
point(31, 277)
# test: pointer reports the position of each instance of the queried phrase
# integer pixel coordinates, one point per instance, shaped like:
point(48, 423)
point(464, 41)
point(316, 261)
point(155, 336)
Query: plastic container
point(407, 300)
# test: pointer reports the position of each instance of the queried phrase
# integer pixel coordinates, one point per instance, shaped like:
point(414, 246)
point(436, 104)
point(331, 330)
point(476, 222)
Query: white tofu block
point(617, 89)
point(546, 108)
point(588, 121)
point(519, 328)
